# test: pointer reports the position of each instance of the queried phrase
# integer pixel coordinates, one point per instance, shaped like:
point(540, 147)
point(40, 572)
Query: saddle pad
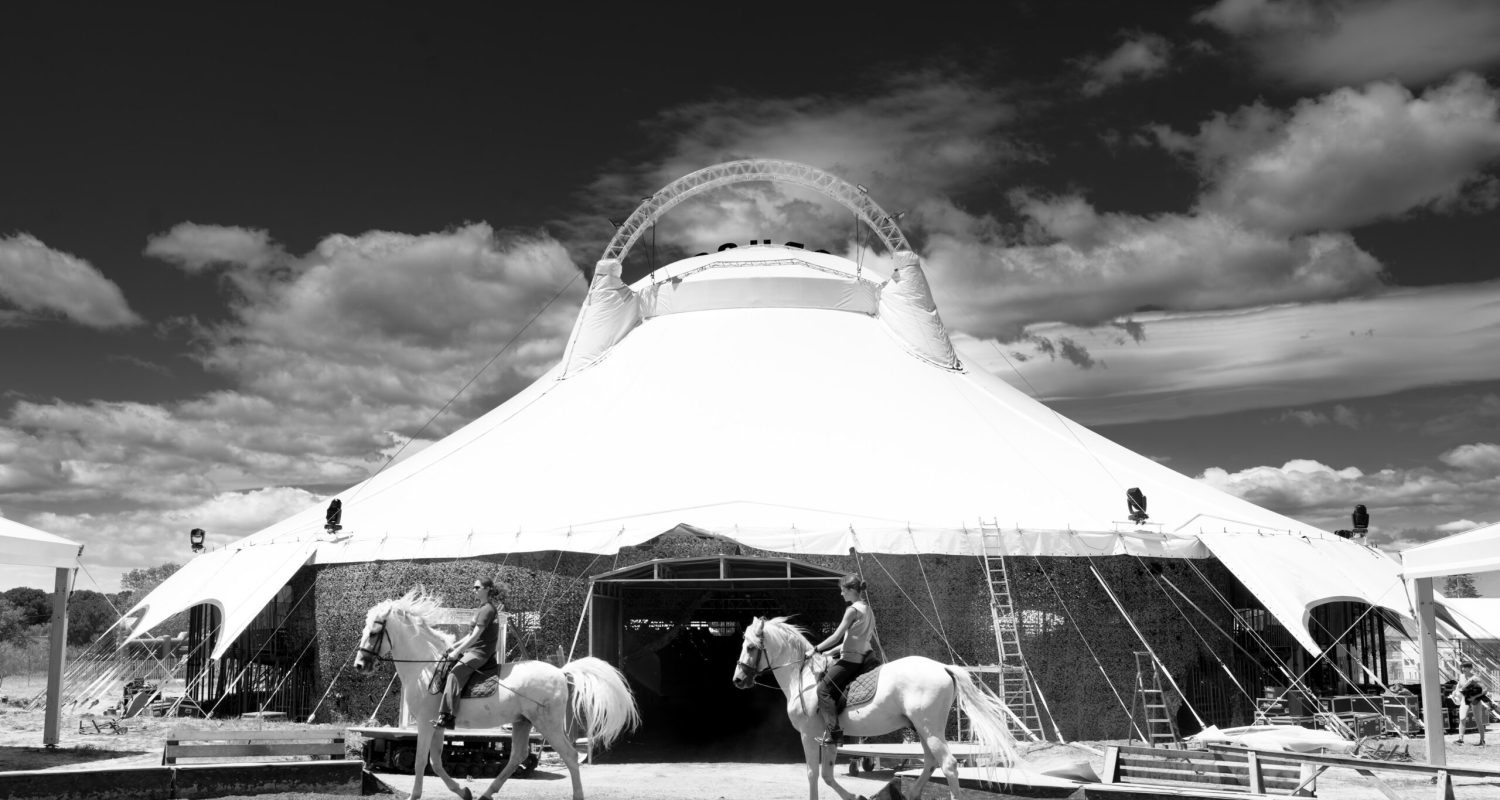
point(862, 690)
point(481, 688)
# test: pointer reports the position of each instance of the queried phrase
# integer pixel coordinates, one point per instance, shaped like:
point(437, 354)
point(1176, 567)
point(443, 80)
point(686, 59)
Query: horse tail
point(602, 700)
point(987, 714)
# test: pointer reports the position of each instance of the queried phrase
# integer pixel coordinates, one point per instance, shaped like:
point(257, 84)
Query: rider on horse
point(854, 639)
point(476, 650)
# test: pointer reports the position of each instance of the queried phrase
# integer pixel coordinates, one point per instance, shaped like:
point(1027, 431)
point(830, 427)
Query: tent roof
point(1477, 550)
point(811, 409)
point(26, 546)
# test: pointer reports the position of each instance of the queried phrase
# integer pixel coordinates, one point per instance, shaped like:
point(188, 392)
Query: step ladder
point(1014, 681)
point(1160, 729)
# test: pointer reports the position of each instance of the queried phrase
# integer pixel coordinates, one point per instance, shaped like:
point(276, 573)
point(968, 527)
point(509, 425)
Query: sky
point(248, 255)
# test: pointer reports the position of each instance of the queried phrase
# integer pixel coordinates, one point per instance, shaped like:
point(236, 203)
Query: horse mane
point(418, 606)
point(785, 633)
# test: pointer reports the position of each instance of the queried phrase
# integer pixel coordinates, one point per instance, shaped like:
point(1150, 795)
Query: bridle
point(378, 638)
point(755, 670)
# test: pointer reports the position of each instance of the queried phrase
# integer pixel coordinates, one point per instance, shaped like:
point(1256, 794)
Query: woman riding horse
point(854, 639)
point(588, 692)
point(476, 650)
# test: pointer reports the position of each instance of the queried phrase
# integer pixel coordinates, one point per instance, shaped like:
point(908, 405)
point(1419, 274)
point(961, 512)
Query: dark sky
point(1033, 146)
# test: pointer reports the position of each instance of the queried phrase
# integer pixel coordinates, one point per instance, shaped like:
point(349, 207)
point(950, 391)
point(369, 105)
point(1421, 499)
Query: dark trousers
point(831, 689)
point(468, 664)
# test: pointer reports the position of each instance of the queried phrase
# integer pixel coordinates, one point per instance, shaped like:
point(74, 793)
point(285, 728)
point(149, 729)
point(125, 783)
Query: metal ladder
point(1160, 728)
point(1014, 678)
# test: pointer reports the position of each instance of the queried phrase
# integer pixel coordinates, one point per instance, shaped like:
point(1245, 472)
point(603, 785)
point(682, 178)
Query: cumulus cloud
point(1324, 495)
point(1351, 157)
point(147, 537)
point(918, 135)
point(39, 280)
point(335, 360)
point(1338, 43)
point(1081, 266)
point(197, 247)
point(400, 321)
point(919, 145)
point(1144, 56)
point(1482, 459)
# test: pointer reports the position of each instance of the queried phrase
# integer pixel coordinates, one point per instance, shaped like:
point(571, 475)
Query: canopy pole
point(59, 640)
point(1432, 701)
point(1163, 667)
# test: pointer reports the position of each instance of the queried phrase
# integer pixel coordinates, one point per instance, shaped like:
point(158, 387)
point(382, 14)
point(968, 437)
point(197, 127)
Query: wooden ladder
point(1160, 729)
point(1015, 680)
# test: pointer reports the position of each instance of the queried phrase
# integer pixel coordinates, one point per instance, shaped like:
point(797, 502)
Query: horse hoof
point(466, 794)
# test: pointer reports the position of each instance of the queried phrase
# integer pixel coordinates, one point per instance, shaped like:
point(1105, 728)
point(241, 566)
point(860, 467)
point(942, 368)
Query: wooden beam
point(58, 652)
point(1432, 701)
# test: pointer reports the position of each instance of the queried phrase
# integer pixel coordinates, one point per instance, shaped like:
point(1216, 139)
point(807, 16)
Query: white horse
point(530, 693)
point(912, 691)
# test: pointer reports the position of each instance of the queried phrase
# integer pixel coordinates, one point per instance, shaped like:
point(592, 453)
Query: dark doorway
point(678, 642)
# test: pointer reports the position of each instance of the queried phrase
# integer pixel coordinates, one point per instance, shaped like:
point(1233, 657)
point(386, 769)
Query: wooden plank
point(255, 750)
point(1111, 764)
point(1360, 763)
point(253, 735)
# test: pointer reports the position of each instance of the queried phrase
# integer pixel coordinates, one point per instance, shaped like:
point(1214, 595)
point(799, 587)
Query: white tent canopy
point(797, 402)
point(1477, 550)
point(794, 429)
point(25, 546)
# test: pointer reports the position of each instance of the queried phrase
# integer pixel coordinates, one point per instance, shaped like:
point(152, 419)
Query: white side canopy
point(239, 580)
point(1473, 551)
point(25, 546)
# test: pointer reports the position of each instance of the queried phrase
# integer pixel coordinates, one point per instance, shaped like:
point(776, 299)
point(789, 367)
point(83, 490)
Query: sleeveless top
point(857, 638)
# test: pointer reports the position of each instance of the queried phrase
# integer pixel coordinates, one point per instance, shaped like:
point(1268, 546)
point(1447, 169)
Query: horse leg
point(435, 757)
point(520, 747)
point(826, 757)
point(812, 752)
point(419, 763)
point(935, 750)
point(555, 731)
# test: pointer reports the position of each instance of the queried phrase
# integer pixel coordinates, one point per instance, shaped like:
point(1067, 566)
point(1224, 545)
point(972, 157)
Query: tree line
point(26, 612)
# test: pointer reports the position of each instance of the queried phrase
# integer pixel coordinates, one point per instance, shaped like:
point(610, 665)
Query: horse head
point(374, 645)
point(753, 659)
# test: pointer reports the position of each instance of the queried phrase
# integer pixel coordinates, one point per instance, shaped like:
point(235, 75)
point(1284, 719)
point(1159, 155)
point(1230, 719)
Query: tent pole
point(59, 640)
point(1432, 701)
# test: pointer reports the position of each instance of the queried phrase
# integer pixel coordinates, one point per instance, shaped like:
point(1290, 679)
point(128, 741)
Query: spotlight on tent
point(195, 538)
point(1344, 534)
point(1361, 520)
point(335, 515)
point(1135, 501)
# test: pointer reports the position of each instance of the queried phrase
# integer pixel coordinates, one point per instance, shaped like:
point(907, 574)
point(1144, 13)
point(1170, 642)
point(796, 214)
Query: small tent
point(1477, 550)
point(28, 547)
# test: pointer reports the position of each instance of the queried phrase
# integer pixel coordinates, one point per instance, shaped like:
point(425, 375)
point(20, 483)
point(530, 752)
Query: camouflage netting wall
point(937, 606)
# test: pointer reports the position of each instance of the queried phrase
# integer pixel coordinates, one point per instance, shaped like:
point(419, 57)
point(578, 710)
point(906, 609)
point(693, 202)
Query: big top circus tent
point(794, 401)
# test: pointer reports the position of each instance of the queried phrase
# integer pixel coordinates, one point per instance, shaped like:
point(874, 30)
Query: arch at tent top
point(851, 196)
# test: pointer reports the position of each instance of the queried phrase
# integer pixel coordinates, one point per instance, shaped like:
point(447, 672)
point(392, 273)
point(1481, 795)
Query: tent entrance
point(674, 627)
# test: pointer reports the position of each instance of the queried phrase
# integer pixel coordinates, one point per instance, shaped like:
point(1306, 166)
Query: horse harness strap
point(756, 670)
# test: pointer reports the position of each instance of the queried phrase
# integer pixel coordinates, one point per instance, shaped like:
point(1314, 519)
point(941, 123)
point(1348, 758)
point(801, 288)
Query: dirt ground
point(141, 741)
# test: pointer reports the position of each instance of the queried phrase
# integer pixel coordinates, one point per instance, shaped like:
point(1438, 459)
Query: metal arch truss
point(756, 169)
